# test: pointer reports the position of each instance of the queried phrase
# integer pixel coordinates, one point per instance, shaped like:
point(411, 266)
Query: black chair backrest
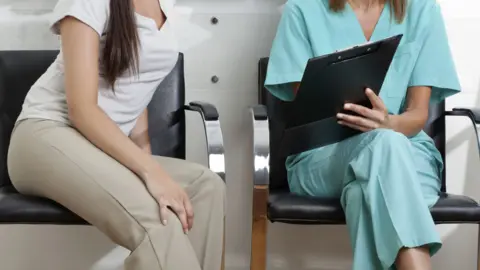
point(19, 70)
point(278, 177)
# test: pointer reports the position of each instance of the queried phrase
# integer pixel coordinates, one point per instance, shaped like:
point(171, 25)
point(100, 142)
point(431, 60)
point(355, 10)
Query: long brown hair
point(121, 46)
point(399, 7)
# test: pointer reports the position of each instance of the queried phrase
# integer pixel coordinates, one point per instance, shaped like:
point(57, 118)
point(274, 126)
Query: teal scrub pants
point(386, 183)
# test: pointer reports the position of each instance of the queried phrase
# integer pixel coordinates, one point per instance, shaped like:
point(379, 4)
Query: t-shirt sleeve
point(289, 54)
point(93, 13)
point(434, 66)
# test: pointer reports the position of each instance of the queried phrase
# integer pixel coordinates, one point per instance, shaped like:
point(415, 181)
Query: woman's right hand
point(170, 195)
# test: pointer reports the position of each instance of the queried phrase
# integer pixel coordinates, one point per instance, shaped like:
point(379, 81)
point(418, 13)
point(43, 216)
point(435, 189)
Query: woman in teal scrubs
point(388, 176)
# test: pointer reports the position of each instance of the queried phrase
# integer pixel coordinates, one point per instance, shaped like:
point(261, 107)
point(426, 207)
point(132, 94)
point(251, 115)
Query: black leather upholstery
point(166, 115)
point(278, 172)
point(289, 208)
point(18, 71)
point(19, 209)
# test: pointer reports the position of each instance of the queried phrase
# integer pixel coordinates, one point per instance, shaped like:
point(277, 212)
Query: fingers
point(377, 113)
point(179, 209)
point(357, 121)
point(364, 111)
point(164, 212)
point(189, 211)
point(374, 99)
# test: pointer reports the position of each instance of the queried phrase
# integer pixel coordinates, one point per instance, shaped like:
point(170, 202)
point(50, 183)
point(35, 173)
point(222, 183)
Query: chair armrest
point(213, 133)
point(261, 145)
point(473, 114)
point(261, 179)
point(208, 110)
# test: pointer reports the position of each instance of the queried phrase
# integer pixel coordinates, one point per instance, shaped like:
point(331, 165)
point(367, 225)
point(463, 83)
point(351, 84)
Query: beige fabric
point(52, 160)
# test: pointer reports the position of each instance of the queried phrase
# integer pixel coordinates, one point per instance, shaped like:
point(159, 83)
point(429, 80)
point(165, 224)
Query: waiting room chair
point(273, 201)
point(18, 72)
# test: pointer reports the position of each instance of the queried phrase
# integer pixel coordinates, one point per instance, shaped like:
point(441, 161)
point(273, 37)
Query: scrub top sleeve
point(435, 66)
point(289, 55)
point(93, 13)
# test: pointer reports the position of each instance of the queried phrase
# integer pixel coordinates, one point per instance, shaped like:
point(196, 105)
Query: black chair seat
point(289, 208)
point(21, 209)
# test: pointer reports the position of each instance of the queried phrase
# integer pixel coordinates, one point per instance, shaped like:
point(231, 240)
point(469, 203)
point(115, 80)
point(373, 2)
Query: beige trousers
point(53, 160)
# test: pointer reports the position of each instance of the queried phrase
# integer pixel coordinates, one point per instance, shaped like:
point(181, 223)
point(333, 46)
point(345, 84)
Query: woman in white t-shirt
point(82, 139)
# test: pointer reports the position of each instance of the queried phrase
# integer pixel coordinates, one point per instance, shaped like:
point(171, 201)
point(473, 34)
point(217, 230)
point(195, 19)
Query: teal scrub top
point(308, 28)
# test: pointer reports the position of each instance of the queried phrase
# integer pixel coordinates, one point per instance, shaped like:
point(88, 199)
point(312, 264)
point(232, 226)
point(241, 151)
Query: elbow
point(423, 115)
point(75, 116)
point(79, 113)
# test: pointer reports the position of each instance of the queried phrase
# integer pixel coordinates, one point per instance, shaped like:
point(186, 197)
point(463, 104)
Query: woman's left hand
point(368, 119)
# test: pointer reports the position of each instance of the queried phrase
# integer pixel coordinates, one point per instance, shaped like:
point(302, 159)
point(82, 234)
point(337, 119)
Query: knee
point(173, 222)
point(152, 231)
point(212, 185)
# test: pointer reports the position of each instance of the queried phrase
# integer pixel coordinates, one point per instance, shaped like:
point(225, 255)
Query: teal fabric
point(386, 181)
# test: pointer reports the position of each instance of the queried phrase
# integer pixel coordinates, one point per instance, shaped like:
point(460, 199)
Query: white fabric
point(157, 57)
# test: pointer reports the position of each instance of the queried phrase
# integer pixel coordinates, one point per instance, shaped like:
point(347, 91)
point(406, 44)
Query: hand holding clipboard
point(328, 84)
point(367, 119)
point(332, 80)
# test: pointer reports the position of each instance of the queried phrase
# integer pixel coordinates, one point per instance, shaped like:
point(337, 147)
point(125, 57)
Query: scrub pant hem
point(434, 245)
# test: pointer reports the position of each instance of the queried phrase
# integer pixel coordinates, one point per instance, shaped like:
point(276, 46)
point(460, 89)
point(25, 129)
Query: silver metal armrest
point(213, 133)
point(473, 114)
point(261, 145)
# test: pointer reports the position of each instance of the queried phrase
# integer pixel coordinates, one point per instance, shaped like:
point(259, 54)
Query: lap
point(192, 176)
point(326, 171)
point(53, 160)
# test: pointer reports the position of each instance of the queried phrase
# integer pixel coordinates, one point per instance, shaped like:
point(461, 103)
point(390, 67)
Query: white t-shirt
point(158, 54)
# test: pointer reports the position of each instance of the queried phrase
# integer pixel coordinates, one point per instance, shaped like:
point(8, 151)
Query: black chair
point(273, 201)
point(20, 69)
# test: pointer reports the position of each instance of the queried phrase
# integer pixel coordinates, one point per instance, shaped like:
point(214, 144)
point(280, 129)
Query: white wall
point(231, 51)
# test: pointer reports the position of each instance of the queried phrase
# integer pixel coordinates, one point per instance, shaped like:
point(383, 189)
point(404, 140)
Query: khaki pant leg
point(52, 160)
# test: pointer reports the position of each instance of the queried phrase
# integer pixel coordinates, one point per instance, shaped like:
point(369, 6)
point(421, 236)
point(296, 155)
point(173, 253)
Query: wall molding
point(32, 6)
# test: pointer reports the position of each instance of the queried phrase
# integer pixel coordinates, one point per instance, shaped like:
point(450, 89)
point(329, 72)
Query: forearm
point(139, 134)
point(100, 130)
point(413, 120)
point(410, 123)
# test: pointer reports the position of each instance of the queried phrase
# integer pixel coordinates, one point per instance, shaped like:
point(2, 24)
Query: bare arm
point(409, 123)
point(139, 134)
point(81, 51)
point(413, 120)
point(80, 47)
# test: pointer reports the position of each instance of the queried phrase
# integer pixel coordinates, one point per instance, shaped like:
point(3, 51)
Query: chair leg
point(259, 228)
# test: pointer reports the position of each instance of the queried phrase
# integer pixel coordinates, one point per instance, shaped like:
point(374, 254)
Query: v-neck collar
point(164, 8)
point(381, 27)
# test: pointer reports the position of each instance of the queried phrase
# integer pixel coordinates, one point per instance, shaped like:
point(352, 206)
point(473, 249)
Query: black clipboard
point(328, 83)
point(331, 80)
